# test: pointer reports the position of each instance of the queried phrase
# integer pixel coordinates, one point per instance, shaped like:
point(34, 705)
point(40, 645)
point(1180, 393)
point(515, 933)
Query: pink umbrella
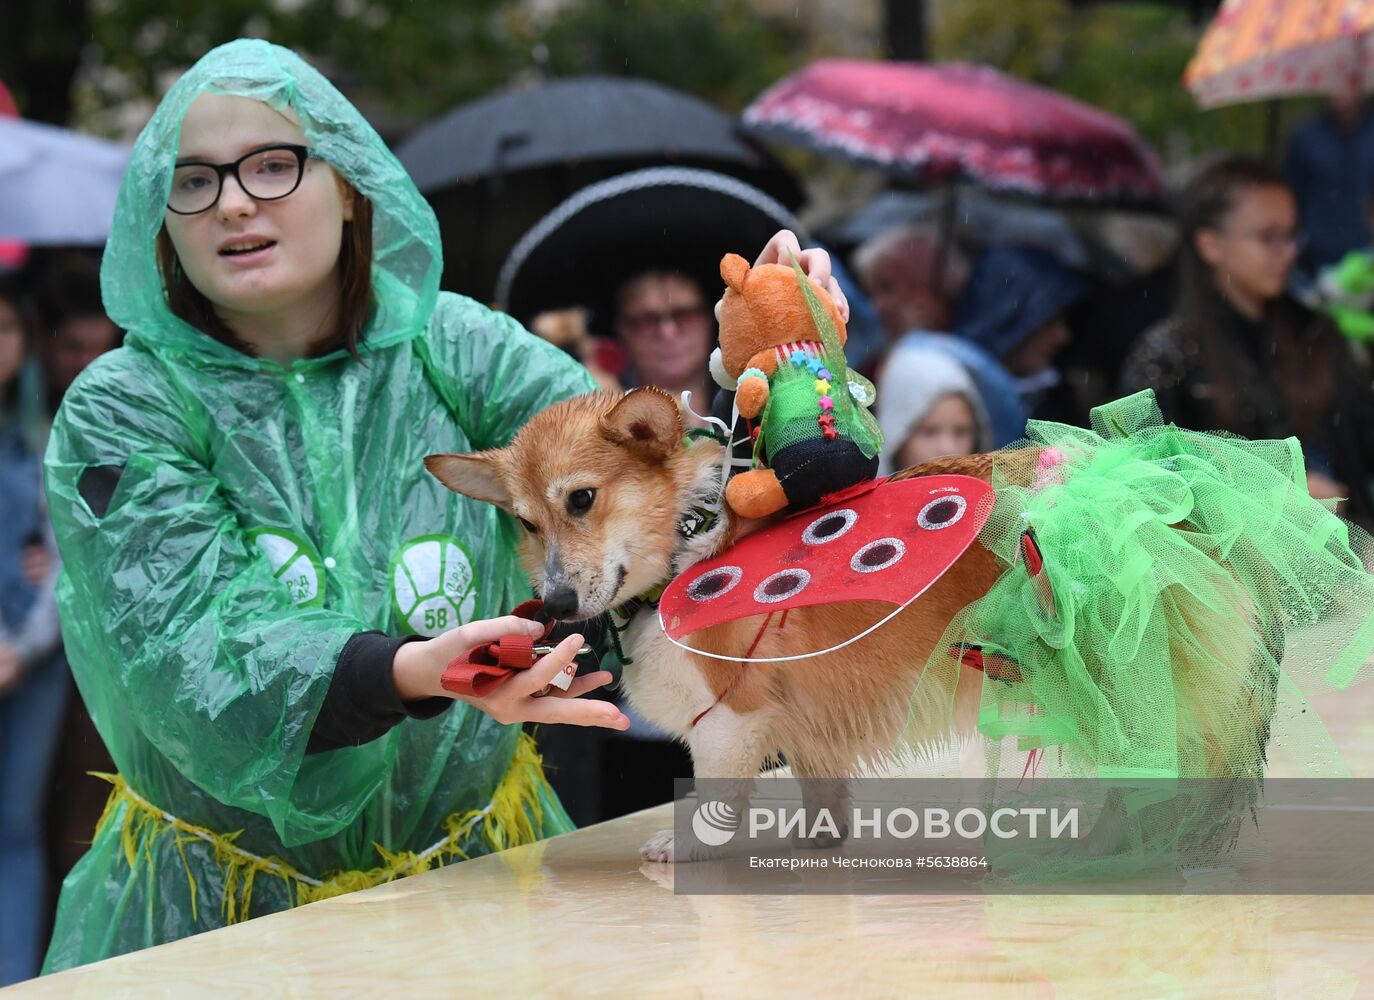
point(954, 121)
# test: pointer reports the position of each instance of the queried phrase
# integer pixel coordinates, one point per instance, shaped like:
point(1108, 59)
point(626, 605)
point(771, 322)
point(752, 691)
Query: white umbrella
point(57, 186)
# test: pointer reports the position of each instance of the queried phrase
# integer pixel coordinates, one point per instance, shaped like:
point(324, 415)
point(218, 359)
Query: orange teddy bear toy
point(782, 345)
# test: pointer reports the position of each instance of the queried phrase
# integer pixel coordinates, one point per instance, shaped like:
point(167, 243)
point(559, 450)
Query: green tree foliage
point(720, 50)
point(408, 60)
point(423, 55)
point(417, 58)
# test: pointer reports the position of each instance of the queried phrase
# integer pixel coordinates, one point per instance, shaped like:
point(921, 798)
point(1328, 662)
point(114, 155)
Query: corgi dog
point(603, 484)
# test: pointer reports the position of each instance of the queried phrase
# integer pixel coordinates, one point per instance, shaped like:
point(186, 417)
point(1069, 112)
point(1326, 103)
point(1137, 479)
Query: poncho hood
point(405, 236)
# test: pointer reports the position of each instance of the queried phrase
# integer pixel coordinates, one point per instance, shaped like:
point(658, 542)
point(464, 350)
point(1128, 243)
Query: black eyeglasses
point(265, 175)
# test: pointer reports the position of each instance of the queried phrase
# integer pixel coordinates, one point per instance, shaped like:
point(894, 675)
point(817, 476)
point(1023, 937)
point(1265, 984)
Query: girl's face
point(1252, 251)
point(11, 342)
point(258, 258)
point(949, 428)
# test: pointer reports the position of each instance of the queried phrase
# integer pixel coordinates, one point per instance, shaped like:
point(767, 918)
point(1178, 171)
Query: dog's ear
point(647, 422)
point(478, 475)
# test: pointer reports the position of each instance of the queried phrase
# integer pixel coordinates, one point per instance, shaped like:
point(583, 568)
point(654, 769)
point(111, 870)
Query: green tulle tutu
point(1192, 594)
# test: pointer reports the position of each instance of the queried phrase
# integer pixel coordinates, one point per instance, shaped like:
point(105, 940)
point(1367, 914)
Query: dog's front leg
point(726, 746)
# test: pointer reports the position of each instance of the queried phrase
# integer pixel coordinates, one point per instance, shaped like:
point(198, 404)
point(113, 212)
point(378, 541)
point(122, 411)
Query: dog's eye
point(529, 526)
point(580, 501)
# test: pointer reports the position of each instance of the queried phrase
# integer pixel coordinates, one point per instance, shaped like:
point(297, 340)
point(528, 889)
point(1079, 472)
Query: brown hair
point(1303, 346)
point(355, 288)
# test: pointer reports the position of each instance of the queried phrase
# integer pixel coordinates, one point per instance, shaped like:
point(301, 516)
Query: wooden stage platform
point(581, 915)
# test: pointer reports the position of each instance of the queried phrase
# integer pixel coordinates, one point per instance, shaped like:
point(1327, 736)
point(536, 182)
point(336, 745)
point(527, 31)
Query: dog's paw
point(659, 847)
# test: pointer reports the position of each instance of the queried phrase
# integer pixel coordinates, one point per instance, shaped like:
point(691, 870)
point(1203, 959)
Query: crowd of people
point(1242, 345)
point(1261, 326)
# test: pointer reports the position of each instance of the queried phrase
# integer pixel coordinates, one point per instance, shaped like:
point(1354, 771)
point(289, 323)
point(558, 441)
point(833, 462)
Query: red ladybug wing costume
point(887, 544)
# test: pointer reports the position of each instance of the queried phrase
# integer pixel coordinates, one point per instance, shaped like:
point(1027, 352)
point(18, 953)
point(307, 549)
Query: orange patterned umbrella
point(1259, 49)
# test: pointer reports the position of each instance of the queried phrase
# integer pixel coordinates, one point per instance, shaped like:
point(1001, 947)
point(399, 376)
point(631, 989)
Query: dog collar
point(618, 619)
point(623, 615)
point(698, 519)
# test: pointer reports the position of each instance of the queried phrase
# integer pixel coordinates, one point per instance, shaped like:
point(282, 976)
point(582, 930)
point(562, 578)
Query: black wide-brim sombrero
point(671, 218)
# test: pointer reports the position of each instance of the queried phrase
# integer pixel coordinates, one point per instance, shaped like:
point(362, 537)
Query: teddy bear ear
point(734, 269)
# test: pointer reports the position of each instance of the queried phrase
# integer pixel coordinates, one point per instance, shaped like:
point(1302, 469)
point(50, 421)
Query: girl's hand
point(418, 667)
point(815, 263)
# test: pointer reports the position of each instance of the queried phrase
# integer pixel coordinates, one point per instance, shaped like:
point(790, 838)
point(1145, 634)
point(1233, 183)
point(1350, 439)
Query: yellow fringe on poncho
point(512, 817)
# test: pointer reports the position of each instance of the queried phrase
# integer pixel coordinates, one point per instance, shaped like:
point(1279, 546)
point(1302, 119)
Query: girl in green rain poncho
point(245, 524)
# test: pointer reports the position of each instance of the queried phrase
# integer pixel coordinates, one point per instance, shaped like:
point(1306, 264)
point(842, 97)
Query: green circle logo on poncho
point(433, 585)
point(294, 562)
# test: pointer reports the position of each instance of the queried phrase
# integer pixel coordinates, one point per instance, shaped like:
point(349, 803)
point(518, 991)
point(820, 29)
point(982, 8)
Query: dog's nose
point(561, 602)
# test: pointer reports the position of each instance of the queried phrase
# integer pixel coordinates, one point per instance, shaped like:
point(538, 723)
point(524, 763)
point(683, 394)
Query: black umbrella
point(663, 217)
point(569, 121)
point(493, 167)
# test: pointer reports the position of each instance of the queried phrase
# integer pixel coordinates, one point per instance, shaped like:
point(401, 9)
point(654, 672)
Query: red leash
point(782, 622)
point(484, 668)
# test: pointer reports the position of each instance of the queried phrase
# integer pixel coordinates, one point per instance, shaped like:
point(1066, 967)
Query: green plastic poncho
point(264, 514)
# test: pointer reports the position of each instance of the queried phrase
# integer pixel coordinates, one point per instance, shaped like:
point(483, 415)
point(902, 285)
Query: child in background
point(928, 407)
